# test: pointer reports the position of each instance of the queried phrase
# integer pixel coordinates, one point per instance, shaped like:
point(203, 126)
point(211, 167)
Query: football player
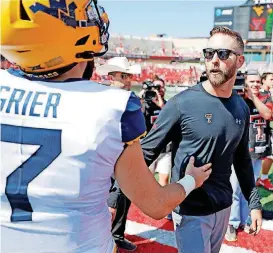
point(63, 136)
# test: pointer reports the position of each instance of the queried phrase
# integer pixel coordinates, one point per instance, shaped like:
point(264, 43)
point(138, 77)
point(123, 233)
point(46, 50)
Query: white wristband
point(188, 183)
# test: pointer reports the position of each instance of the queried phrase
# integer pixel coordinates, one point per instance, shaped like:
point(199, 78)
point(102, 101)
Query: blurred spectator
point(120, 72)
point(267, 82)
point(181, 74)
point(260, 106)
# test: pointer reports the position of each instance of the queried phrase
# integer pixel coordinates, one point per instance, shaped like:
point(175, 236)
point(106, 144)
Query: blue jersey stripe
point(132, 121)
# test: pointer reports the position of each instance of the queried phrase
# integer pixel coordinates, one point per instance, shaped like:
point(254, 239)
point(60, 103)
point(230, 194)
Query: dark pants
point(118, 226)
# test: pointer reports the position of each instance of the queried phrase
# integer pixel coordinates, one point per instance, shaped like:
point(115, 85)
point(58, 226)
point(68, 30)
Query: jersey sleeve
point(132, 121)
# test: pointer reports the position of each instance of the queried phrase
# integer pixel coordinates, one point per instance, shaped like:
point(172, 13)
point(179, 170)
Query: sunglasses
point(223, 54)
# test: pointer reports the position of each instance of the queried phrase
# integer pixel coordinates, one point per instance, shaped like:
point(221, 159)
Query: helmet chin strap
point(87, 74)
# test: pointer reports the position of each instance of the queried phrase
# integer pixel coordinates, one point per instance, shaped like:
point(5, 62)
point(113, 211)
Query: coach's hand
point(200, 174)
point(256, 218)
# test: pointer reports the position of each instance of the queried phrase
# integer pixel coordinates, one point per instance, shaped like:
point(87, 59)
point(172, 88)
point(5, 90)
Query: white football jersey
point(59, 144)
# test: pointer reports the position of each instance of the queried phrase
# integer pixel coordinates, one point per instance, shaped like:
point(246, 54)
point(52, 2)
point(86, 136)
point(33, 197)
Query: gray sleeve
point(244, 171)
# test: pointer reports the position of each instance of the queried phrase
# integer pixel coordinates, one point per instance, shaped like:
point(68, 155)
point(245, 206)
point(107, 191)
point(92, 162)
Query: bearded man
point(209, 121)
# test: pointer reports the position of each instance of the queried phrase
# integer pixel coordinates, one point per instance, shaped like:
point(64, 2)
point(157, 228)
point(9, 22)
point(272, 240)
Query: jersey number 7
point(49, 141)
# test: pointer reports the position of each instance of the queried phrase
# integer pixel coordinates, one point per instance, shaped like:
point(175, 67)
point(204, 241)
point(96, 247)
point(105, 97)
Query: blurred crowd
point(173, 74)
point(151, 46)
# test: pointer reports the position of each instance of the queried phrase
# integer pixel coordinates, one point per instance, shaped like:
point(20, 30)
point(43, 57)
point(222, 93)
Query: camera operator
point(153, 101)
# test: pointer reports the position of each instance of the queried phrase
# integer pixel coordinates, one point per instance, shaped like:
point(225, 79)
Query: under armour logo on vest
point(238, 121)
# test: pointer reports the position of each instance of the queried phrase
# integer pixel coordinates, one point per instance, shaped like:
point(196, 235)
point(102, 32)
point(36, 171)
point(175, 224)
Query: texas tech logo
point(208, 116)
point(260, 124)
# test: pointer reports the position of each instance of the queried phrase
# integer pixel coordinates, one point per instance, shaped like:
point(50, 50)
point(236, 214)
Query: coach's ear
point(240, 61)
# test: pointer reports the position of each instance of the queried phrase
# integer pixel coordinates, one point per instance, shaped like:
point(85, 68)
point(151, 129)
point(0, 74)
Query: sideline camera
point(149, 88)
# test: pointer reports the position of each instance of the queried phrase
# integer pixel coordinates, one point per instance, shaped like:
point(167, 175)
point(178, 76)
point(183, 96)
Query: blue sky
point(176, 18)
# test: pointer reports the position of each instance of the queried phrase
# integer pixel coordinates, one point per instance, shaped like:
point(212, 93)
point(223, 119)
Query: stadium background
point(179, 61)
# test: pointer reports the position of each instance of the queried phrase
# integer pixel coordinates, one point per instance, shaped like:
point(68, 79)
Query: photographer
point(153, 101)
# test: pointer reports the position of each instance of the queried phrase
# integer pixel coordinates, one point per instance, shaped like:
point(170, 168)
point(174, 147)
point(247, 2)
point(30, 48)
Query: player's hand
point(200, 174)
point(256, 218)
point(113, 212)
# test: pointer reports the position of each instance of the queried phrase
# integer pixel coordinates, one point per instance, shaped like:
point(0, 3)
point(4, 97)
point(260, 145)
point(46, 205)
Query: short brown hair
point(264, 76)
point(226, 31)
